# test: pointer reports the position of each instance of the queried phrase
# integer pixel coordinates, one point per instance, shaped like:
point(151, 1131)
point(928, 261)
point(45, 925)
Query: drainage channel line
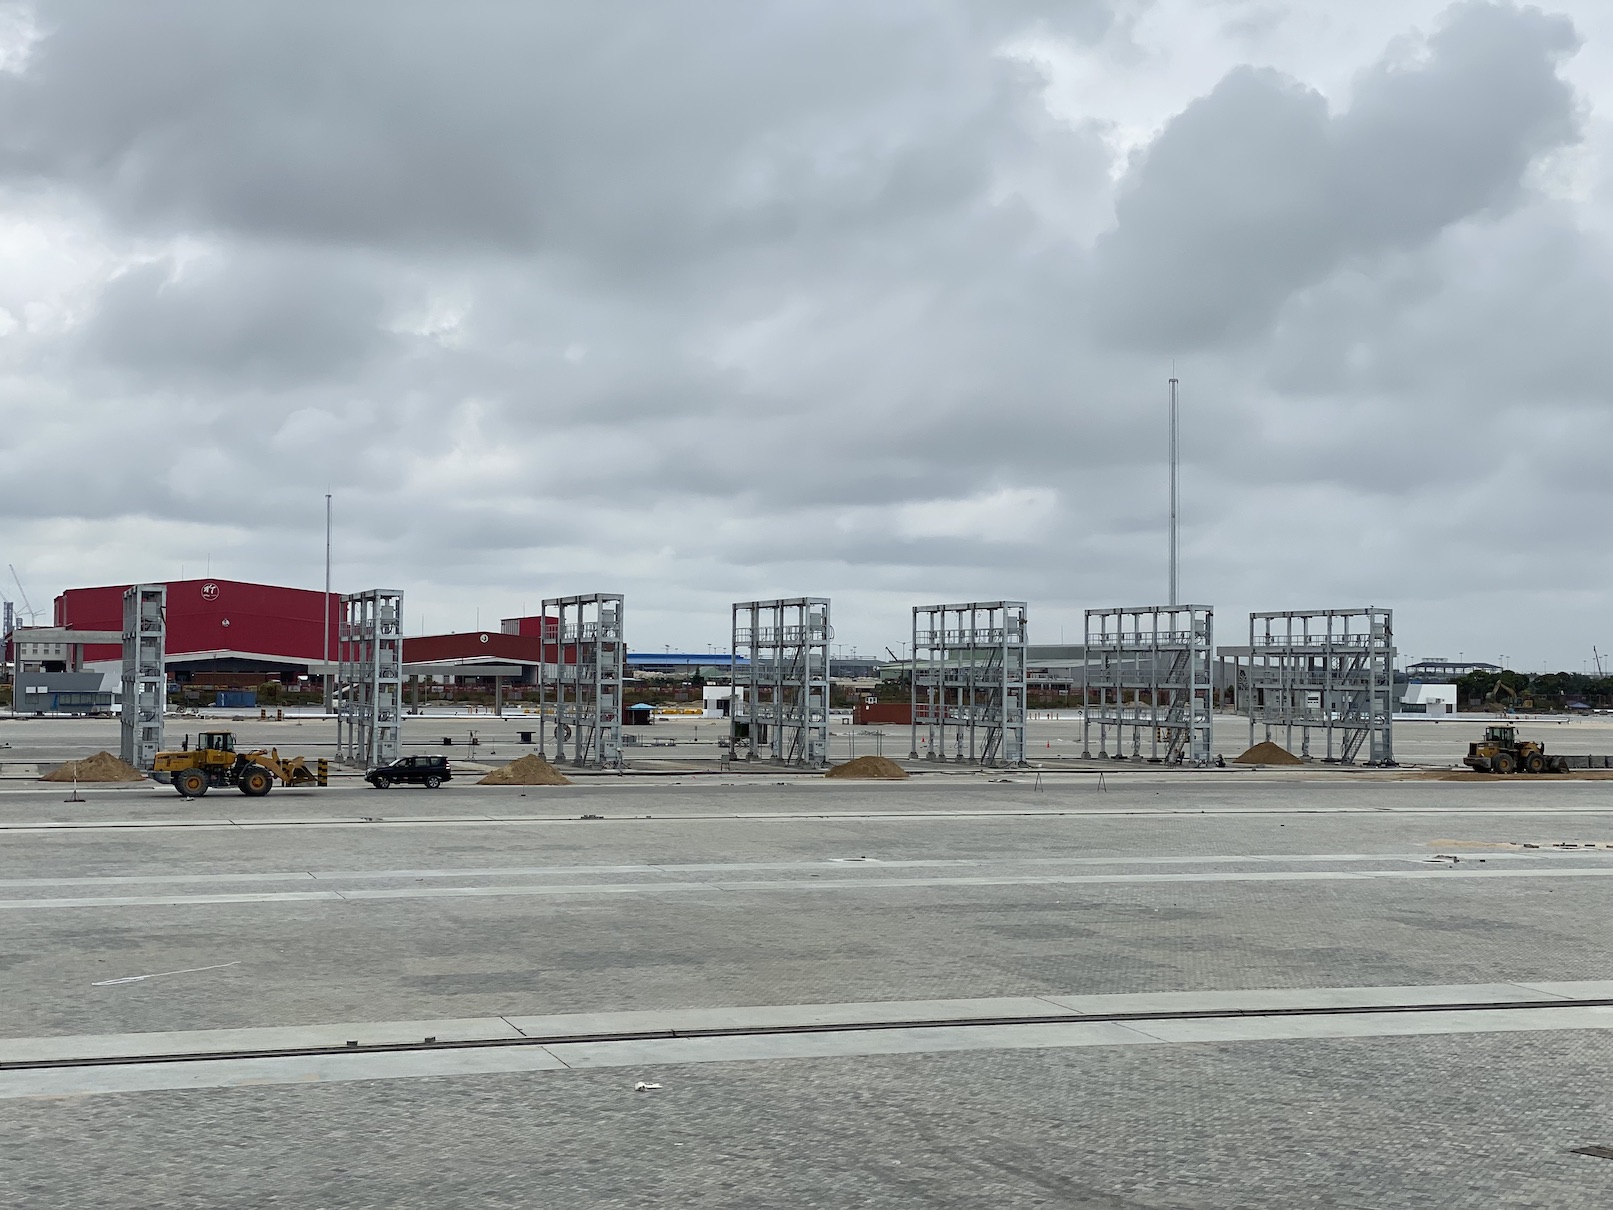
point(761, 1031)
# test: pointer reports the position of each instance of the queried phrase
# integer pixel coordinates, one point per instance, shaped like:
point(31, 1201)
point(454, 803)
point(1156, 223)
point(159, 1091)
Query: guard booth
point(640, 714)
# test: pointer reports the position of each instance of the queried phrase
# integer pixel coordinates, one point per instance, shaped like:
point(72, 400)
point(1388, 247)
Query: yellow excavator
point(215, 762)
point(1492, 699)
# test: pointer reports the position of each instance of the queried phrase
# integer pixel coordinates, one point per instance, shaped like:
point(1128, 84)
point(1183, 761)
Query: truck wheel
point(191, 783)
point(433, 782)
point(1535, 763)
point(1504, 763)
point(256, 782)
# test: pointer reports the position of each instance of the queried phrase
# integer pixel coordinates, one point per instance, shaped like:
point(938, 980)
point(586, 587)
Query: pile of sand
point(103, 766)
point(529, 770)
point(1267, 753)
point(869, 768)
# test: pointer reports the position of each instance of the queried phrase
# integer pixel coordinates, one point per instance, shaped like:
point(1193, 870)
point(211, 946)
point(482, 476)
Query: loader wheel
point(191, 783)
point(1504, 762)
point(433, 782)
point(1534, 763)
point(255, 782)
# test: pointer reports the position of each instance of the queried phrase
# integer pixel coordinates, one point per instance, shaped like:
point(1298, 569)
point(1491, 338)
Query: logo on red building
point(209, 592)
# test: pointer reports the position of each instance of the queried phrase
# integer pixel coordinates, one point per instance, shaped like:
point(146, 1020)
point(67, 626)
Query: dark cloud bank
point(709, 302)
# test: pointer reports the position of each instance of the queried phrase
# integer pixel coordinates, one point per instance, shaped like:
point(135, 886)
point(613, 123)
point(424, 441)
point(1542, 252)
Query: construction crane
point(33, 614)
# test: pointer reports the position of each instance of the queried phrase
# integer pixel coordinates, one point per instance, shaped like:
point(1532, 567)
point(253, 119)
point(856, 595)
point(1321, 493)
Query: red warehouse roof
point(207, 616)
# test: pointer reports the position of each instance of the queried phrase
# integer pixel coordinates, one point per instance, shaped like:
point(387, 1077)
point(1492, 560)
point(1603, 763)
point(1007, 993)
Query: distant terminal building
point(685, 665)
point(1437, 670)
point(512, 653)
point(664, 663)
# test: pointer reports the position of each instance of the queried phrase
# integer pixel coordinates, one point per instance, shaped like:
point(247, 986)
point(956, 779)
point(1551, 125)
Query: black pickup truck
point(427, 771)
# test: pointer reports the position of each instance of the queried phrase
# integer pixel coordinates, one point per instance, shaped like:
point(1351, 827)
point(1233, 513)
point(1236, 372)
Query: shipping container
point(867, 713)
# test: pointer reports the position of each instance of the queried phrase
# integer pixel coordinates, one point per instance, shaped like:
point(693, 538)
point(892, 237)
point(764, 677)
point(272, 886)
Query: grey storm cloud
point(732, 298)
point(253, 319)
point(1258, 189)
point(542, 127)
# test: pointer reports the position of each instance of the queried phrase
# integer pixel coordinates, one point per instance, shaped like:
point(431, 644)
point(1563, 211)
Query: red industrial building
point(476, 644)
point(218, 626)
point(514, 650)
point(230, 633)
point(532, 626)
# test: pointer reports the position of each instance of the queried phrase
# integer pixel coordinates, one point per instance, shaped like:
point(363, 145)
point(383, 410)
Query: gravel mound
point(529, 770)
point(103, 766)
point(869, 768)
point(1267, 753)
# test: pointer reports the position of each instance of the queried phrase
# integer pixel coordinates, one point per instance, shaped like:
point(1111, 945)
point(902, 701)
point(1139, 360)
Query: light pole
point(1176, 457)
point(326, 627)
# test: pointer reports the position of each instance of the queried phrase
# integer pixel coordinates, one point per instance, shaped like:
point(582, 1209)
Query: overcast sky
point(708, 301)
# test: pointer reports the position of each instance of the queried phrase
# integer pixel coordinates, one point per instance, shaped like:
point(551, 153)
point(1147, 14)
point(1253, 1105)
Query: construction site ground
point(1161, 988)
point(29, 746)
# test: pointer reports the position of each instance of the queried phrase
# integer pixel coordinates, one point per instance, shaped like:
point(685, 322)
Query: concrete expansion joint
point(549, 1033)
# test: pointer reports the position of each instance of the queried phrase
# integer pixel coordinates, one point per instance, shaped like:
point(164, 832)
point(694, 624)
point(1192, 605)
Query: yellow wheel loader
point(1501, 751)
point(214, 762)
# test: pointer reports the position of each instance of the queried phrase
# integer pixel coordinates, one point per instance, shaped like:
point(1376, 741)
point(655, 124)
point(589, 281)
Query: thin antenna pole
point(326, 627)
point(1176, 459)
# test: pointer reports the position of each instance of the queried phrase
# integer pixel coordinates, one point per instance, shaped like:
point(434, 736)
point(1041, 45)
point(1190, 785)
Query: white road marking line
point(793, 884)
point(189, 970)
point(832, 863)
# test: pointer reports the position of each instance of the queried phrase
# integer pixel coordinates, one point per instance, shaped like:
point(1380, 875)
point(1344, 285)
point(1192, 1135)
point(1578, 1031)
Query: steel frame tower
point(369, 677)
point(968, 679)
point(779, 667)
point(1327, 669)
point(1150, 667)
point(585, 656)
point(145, 673)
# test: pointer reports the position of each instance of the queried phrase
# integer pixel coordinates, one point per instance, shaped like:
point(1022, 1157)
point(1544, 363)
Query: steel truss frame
point(779, 666)
point(1327, 669)
point(1161, 653)
point(369, 677)
point(145, 673)
point(968, 681)
point(580, 676)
